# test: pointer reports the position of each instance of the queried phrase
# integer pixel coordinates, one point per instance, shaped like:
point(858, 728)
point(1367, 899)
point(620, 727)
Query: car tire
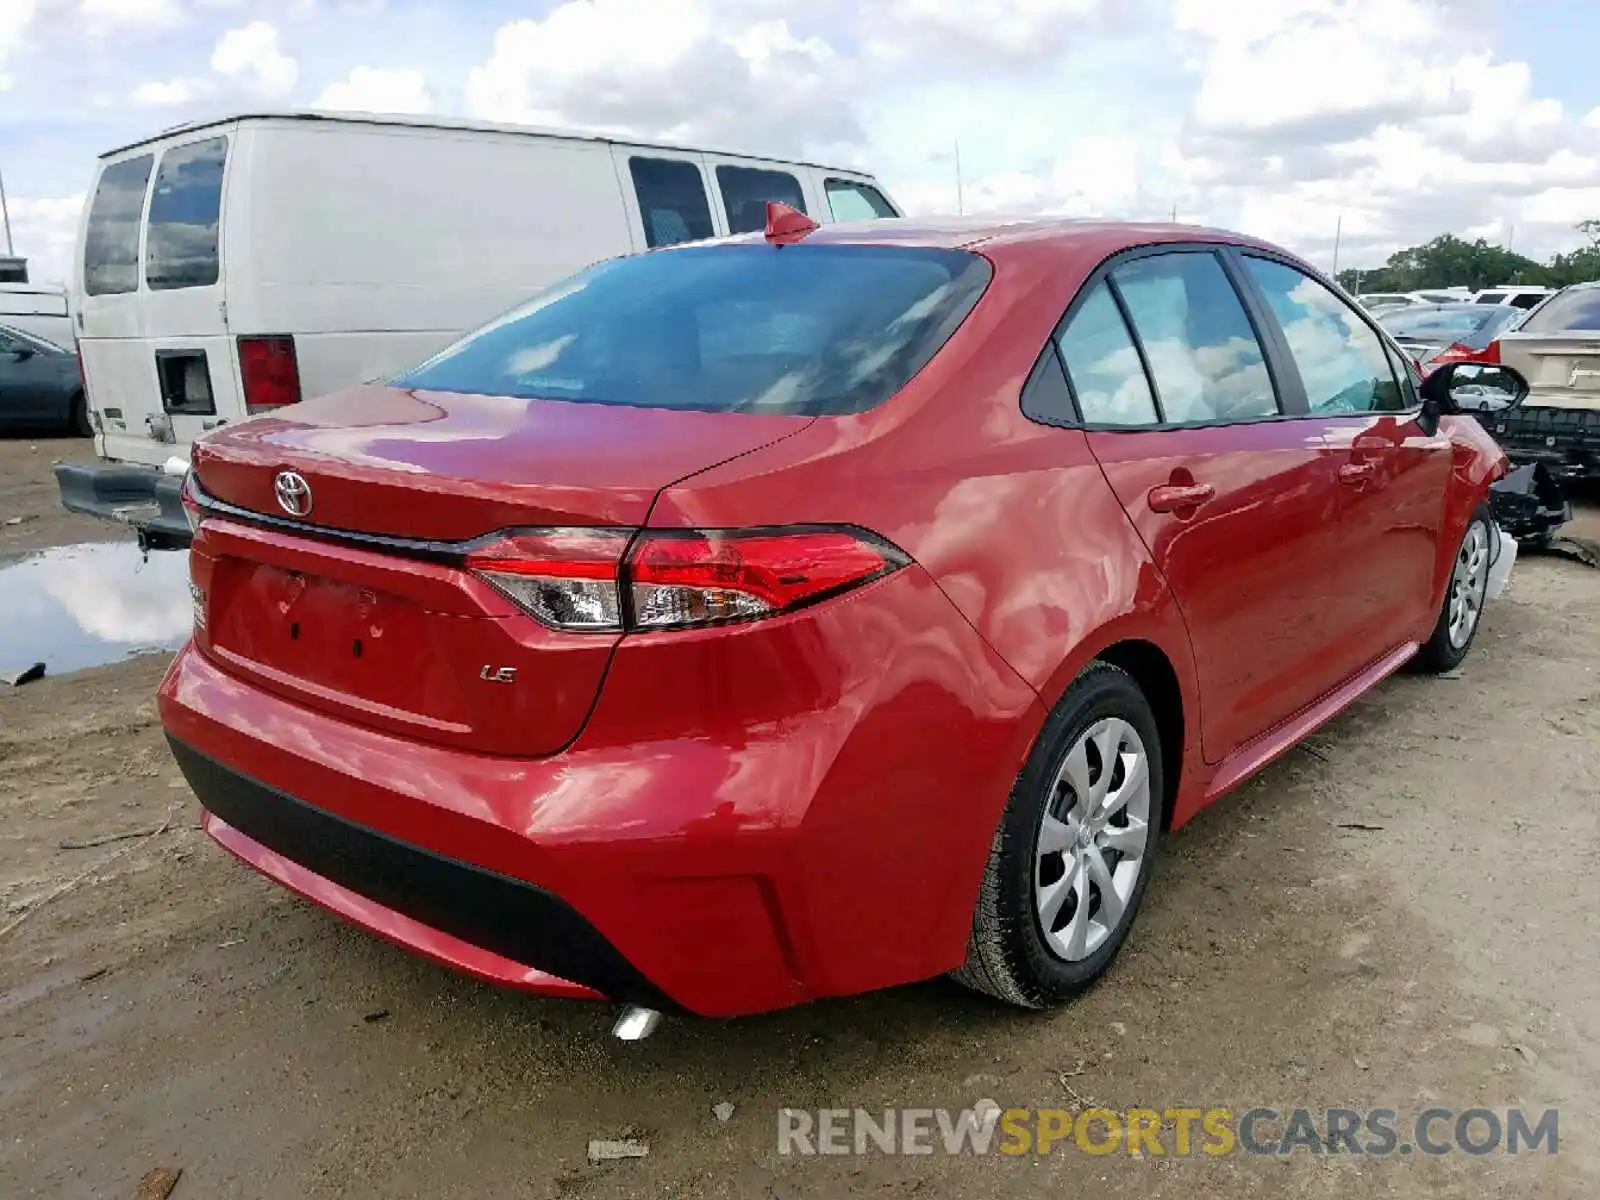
point(78, 417)
point(1011, 954)
point(1465, 596)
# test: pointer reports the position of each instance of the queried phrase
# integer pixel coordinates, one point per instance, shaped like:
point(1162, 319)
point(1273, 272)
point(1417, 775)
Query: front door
point(1233, 495)
point(1393, 474)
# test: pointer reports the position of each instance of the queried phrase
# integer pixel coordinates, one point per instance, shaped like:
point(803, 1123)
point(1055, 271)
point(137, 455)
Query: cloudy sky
point(1408, 117)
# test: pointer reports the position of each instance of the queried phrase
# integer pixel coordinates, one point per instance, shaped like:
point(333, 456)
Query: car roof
point(452, 123)
point(958, 233)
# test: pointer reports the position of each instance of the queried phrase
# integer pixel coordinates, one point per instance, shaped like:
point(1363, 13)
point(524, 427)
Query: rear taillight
point(579, 579)
point(566, 578)
point(268, 372)
point(708, 578)
point(192, 509)
point(1457, 353)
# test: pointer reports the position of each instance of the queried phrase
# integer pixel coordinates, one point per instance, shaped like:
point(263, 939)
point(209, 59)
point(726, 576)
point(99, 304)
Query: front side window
point(672, 200)
point(851, 201)
point(1204, 358)
point(1103, 365)
point(1342, 360)
point(1491, 298)
point(181, 248)
point(745, 192)
point(111, 243)
point(791, 330)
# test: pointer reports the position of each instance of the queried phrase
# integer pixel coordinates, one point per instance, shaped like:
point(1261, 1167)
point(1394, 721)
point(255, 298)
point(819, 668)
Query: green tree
point(1449, 261)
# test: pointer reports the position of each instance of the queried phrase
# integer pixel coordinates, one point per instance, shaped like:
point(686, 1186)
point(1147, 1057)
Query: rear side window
point(111, 243)
point(672, 200)
point(181, 248)
point(851, 201)
point(1491, 298)
point(792, 330)
point(1343, 363)
point(1527, 300)
point(1573, 311)
point(745, 192)
point(1204, 357)
point(1103, 365)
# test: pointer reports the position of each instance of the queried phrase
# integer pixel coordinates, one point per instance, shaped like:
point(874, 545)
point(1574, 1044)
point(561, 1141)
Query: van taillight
point(268, 370)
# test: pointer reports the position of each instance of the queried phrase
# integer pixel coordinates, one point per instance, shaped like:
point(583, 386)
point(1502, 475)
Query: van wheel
point(1072, 857)
point(78, 417)
point(1462, 612)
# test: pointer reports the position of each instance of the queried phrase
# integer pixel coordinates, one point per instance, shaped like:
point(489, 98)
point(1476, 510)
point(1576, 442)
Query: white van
point(229, 267)
point(37, 309)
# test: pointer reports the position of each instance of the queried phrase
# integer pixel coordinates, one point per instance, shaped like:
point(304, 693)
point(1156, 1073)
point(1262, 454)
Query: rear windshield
point(181, 245)
point(1574, 311)
point(1424, 325)
point(111, 244)
point(801, 330)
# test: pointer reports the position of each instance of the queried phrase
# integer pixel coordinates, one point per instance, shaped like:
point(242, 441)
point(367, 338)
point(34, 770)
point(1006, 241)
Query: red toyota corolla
point(748, 622)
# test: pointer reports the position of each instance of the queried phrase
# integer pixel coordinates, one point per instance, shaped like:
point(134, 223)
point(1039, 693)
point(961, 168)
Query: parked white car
point(1516, 295)
point(230, 267)
point(37, 309)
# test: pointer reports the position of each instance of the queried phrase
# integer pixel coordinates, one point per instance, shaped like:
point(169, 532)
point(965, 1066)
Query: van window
point(792, 330)
point(111, 244)
point(851, 201)
point(672, 200)
point(745, 192)
point(181, 242)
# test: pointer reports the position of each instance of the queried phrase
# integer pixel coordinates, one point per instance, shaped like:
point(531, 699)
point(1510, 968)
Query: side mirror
point(21, 354)
point(1474, 387)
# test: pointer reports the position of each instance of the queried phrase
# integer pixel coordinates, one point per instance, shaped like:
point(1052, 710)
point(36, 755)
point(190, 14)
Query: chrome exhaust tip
point(635, 1024)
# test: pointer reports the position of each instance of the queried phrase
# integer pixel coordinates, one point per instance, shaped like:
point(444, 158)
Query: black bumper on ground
point(143, 497)
point(507, 916)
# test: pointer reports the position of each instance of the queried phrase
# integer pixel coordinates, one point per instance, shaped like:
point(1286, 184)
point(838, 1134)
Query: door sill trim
point(1257, 753)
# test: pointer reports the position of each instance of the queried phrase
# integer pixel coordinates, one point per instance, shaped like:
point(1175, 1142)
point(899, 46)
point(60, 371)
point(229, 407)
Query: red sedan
point(789, 616)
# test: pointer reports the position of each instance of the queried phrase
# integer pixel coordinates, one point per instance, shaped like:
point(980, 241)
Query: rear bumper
point(802, 821)
point(145, 498)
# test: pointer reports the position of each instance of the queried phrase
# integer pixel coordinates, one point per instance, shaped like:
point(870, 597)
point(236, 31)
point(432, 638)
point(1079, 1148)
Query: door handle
point(1170, 497)
point(1356, 473)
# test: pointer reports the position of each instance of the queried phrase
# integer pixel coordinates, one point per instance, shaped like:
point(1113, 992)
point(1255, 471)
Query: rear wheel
point(78, 417)
point(1071, 859)
point(1464, 599)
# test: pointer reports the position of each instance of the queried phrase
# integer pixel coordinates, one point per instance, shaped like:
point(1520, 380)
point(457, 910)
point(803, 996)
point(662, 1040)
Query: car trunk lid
point(1562, 369)
point(361, 606)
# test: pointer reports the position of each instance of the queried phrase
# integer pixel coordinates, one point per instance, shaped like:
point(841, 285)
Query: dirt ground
point(29, 497)
point(1397, 915)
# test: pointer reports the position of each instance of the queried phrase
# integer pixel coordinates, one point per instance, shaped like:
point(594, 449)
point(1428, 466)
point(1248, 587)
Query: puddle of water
point(71, 607)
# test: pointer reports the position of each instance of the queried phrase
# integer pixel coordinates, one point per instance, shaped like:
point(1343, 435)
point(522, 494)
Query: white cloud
point(368, 89)
point(668, 68)
point(1013, 29)
point(158, 93)
point(251, 56)
point(13, 33)
point(45, 231)
point(103, 15)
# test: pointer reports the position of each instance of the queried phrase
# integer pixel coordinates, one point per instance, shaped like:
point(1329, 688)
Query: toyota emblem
point(294, 493)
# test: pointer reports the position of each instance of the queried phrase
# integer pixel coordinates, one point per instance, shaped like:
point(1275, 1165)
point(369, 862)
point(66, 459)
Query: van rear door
point(153, 318)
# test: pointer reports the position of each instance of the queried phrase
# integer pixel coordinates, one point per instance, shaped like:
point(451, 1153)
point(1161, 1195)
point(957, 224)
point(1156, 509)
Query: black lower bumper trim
point(143, 497)
point(506, 916)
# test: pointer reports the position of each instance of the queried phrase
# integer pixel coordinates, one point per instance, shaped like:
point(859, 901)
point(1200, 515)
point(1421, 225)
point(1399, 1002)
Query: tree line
point(1449, 261)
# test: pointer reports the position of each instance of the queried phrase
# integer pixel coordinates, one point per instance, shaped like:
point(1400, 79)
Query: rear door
point(152, 313)
point(1231, 492)
point(1393, 473)
point(190, 360)
point(666, 195)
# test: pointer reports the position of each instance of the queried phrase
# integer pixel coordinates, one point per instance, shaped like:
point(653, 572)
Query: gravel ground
point(1393, 916)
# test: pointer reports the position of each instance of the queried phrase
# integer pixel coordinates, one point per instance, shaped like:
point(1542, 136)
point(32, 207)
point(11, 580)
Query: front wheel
point(1464, 599)
point(1072, 857)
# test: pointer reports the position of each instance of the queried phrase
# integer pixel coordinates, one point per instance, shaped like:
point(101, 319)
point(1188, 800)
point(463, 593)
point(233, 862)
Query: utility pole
point(5, 212)
point(1338, 228)
point(1174, 212)
point(961, 203)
